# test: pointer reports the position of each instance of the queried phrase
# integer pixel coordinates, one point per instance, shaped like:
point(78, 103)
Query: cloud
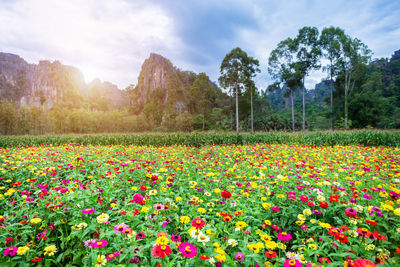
point(106, 39)
point(111, 39)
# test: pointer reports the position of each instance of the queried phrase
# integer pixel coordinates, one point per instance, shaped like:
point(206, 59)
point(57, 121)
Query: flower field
point(229, 205)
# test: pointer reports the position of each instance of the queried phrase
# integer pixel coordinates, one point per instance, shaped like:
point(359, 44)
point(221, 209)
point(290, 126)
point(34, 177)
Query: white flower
point(203, 238)
point(232, 242)
point(211, 260)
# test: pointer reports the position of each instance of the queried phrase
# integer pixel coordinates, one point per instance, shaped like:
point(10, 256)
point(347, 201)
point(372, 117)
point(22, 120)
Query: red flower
point(143, 187)
point(398, 251)
point(226, 194)
point(204, 257)
point(371, 222)
point(324, 205)
point(362, 263)
point(270, 254)
point(160, 251)
point(9, 240)
point(334, 198)
point(324, 260)
point(198, 223)
point(36, 259)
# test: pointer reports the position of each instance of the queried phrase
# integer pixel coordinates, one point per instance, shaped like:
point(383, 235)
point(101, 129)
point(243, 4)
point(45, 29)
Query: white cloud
point(105, 39)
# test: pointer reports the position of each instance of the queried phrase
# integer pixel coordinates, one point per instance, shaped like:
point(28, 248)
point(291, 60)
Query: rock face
point(154, 73)
point(48, 83)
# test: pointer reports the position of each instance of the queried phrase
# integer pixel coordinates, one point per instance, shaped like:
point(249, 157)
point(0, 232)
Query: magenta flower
point(284, 237)
point(88, 211)
point(292, 263)
point(100, 244)
point(10, 251)
point(276, 208)
point(138, 198)
point(176, 238)
point(239, 256)
point(187, 250)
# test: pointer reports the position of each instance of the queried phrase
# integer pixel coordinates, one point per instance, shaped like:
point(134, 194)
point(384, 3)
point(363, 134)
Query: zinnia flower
point(101, 260)
point(285, 237)
point(188, 250)
point(88, 211)
point(198, 223)
point(120, 228)
point(292, 263)
point(239, 256)
point(50, 250)
point(10, 251)
point(100, 244)
point(160, 251)
point(103, 218)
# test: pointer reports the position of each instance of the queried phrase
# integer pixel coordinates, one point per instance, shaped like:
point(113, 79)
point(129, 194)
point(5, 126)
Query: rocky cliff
point(48, 83)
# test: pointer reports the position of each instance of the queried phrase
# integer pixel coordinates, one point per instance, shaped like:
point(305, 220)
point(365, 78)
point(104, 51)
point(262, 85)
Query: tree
point(308, 53)
point(330, 41)
point(355, 55)
point(285, 70)
point(250, 69)
point(203, 95)
point(232, 74)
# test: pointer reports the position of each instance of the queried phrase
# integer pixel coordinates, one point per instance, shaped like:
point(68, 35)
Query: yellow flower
point(184, 219)
point(370, 247)
point(307, 212)
point(299, 223)
point(313, 246)
point(271, 245)
point(101, 260)
point(210, 232)
point(162, 240)
point(301, 217)
point(254, 248)
point(177, 199)
point(50, 250)
point(36, 220)
point(103, 218)
point(397, 212)
point(241, 224)
point(216, 190)
point(22, 250)
point(266, 205)
point(153, 192)
point(220, 257)
point(280, 196)
point(267, 222)
point(201, 210)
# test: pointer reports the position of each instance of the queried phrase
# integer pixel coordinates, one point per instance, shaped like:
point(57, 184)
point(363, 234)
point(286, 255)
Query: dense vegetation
point(368, 138)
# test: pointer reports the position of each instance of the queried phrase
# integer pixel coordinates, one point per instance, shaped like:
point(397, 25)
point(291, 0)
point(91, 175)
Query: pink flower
point(90, 242)
point(100, 244)
point(239, 256)
point(10, 251)
point(137, 198)
point(120, 228)
point(292, 263)
point(159, 206)
point(88, 211)
point(276, 208)
point(188, 250)
point(285, 237)
point(304, 198)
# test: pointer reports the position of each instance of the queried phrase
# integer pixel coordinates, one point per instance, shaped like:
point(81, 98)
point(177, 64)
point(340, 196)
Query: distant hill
point(49, 83)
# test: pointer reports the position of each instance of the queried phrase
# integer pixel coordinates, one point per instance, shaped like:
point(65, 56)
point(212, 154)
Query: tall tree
point(232, 74)
point(308, 53)
point(330, 41)
point(203, 95)
point(285, 70)
point(355, 55)
point(250, 70)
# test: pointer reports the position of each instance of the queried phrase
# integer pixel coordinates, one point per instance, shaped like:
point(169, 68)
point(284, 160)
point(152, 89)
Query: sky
point(111, 39)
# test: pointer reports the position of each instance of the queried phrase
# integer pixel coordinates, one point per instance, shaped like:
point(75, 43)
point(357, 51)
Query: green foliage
point(364, 137)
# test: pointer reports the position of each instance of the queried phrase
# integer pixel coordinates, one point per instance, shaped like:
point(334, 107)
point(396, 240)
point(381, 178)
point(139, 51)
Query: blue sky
point(111, 39)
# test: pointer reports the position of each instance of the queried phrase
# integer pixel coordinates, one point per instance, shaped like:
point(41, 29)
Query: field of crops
point(230, 205)
point(318, 138)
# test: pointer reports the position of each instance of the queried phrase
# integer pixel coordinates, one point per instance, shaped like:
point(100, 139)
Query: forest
point(357, 92)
